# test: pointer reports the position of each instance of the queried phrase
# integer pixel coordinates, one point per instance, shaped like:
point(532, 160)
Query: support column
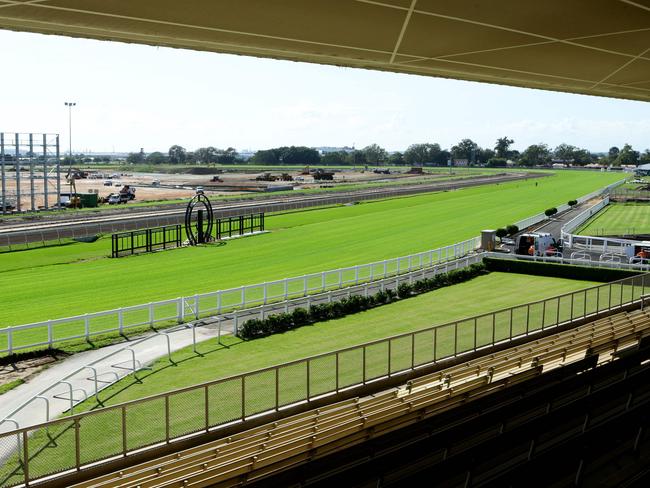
point(3, 203)
point(45, 190)
point(31, 172)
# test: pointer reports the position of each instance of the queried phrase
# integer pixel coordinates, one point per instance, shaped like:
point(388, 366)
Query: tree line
point(465, 152)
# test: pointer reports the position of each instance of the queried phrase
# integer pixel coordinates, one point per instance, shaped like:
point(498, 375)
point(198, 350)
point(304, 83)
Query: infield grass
point(619, 219)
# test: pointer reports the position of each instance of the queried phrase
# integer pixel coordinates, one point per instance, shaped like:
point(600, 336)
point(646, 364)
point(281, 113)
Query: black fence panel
point(238, 226)
point(146, 240)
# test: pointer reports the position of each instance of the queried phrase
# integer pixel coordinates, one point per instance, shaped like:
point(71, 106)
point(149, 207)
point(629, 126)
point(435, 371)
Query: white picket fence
point(182, 309)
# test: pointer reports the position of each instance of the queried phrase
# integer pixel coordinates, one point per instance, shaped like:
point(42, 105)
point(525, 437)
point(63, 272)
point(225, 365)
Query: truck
point(127, 192)
point(537, 244)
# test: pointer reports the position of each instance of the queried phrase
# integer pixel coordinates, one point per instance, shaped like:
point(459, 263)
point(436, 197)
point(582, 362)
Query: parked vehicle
point(114, 198)
point(537, 244)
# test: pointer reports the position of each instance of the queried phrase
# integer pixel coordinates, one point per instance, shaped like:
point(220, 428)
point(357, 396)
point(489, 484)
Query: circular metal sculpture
point(198, 234)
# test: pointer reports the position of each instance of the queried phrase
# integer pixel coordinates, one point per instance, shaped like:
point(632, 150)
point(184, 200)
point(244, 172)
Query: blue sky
point(131, 96)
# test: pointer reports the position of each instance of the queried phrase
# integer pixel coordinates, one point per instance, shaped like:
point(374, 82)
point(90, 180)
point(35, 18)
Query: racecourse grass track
point(100, 435)
point(298, 243)
point(619, 219)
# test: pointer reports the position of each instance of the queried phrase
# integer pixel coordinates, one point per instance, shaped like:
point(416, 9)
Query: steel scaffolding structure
point(37, 154)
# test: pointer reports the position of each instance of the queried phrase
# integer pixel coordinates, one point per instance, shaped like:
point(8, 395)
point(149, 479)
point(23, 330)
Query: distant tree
point(177, 154)
point(502, 147)
point(190, 157)
point(484, 155)
point(465, 149)
point(226, 156)
point(550, 211)
point(267, 157)
point(535, 154)
point(206, 155)
point(336, 158)
point(357, 158)
point(501, 233)
point(375, 154)
point(396, 159)
point(627, 155)
point(565, 153)
point(135, 158)
point(425, 154)
point(612, 154)
point(156, 158)
point(645, 157)
point(299, 155)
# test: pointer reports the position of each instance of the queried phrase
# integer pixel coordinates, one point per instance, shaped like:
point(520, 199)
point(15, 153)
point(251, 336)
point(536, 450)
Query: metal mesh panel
point(484, 330)
point(186, 412)
point(579, 304)
point(519, 319)
point(465, 337)
point(423, 347)
point(100, 435)
point(565, 308)
point(224, 402)
point(638, 288)
point(627, 292)
point(260, 392)
point(591, 300)
point(551, 312)
point(145, 423)
point(444, 341)
point(293, 383)
point(322, 375)
point(535, 316)
point(51, 450)
point(400, 354)
point(501, 325)
point(376, 360)
point(350, 367)
point(11, 460)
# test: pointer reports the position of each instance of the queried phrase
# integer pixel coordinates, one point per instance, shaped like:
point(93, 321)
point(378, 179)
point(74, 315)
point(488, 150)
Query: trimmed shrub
point(572, 203)
point(603, 275)
point(404, 290)
point(550, 211)
point(512, 229)
point(501, 233)
point(281, 322)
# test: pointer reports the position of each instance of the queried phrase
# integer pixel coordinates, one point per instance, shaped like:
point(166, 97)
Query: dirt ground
point(161, 186)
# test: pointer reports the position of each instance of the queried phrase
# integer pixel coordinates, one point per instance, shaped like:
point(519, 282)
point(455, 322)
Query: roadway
point(56, 227)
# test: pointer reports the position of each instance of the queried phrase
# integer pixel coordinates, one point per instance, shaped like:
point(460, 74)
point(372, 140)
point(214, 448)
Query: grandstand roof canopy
point(596, 47)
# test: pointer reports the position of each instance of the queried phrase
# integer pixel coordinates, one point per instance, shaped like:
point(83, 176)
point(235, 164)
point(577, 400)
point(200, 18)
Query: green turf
point(101, 434)
point(298, 243)
point(619, 219)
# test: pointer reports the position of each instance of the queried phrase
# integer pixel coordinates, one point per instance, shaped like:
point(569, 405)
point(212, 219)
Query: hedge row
point(273, 324)
point(586, 273)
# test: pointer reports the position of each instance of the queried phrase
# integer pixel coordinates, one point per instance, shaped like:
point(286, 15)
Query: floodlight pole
point(70, 105)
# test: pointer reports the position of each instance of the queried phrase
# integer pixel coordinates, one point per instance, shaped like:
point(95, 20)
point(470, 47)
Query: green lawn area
point(100, 434)
point(619, 219)
point(36, 286)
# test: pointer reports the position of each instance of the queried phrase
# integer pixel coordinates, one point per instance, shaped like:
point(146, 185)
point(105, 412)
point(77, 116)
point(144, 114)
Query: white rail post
point(120, 320)
point(10, 340)
point(305, 286)
point(322, 278)
point(179, 310)
point(266, 294)
point(86, 327)
point(50, 335)
point(151, 315)
point(196, 306)
point(219, 302)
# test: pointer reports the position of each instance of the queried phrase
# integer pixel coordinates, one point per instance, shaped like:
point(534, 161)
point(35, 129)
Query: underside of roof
point(594, 47)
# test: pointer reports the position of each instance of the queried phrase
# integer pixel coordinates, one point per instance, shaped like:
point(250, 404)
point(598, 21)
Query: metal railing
point(541, 217)
point(117, 431)
point(603, 245)
point(179, 310)
point(146, 240)
point(580, 259)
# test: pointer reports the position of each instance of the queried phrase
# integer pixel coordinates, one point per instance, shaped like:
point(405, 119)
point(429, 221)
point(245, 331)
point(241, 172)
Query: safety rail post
point(25, 439)
point(120, 320)
point(50, 334)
